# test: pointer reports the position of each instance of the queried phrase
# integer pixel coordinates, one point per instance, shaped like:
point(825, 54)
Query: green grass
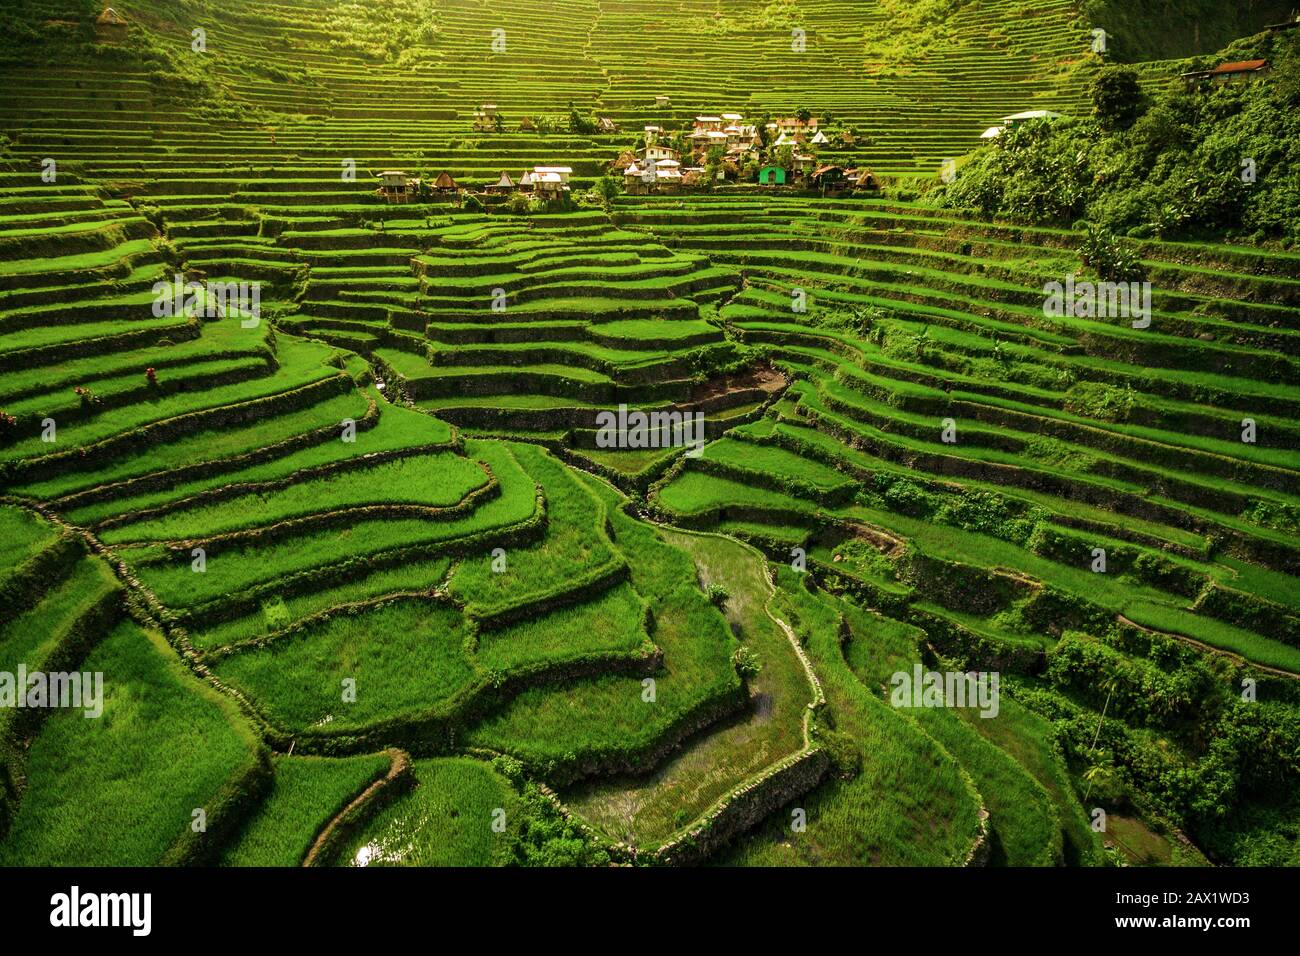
point(405, 658)
point(278, 612)
point(120, 790)
point(229, 571)
point(609, 623)
point(36, 635)
point(574, 545)
point(446, 820)
point(397, 429)
point(305, 795)
point(435, 481)
point(607, 715)
point(23, 534)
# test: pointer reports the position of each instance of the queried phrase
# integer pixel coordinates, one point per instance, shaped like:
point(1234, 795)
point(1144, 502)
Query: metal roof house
point(1028, 115)
point(1241, 71)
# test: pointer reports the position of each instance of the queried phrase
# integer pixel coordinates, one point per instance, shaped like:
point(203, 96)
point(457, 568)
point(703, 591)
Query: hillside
point(351, 548)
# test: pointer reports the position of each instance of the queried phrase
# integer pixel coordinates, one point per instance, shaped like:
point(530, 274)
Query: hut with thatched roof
point(444, 185)
point(111, 26)
point(503, 185)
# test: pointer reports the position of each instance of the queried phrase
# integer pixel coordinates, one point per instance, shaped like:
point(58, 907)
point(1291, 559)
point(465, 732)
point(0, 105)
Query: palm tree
point(1109, 683)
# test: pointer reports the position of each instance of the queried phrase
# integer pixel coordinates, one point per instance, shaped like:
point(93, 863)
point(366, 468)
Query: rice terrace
point(743, 433)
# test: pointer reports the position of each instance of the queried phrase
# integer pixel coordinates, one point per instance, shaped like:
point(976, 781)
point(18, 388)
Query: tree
point(607, 190)
point(803, 115)
point(1117, 98)
point(712, 164)
point(578, 124)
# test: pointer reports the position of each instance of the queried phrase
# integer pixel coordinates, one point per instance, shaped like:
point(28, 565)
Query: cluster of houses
point(722, 147)
point(546, 182)
point(736, 146)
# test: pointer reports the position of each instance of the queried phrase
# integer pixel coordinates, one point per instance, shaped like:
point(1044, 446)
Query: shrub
point(1100, 401)
point(607, 190)
point(88, 398)
point(1117, 99)
point(717, 595)
point(1111, 258)
point(746, 663)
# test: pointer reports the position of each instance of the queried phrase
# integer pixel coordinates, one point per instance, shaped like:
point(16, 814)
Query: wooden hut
point(396, 187)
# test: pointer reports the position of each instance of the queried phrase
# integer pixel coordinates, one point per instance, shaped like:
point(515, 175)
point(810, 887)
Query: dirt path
point(400, 765)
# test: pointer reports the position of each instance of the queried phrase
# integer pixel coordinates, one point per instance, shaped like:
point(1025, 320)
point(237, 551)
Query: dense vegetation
point(1172, 164)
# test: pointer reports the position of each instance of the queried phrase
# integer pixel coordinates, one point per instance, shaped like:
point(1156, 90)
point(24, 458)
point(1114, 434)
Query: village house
point(547, 182)
point(110, 26)
point(653, 150)
point(661, 101)
point(606, 125)
point(668, 172)
point(829, 179)
point(486, 117)
point(1015, 119)
point(637, 179)
point(739, 134)
point(664, 175)
point(1241, 71)
point(791, 125)
point(862, 179)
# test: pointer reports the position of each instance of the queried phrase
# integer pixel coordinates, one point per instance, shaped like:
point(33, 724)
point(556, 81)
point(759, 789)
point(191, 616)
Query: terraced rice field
point(366, 587)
